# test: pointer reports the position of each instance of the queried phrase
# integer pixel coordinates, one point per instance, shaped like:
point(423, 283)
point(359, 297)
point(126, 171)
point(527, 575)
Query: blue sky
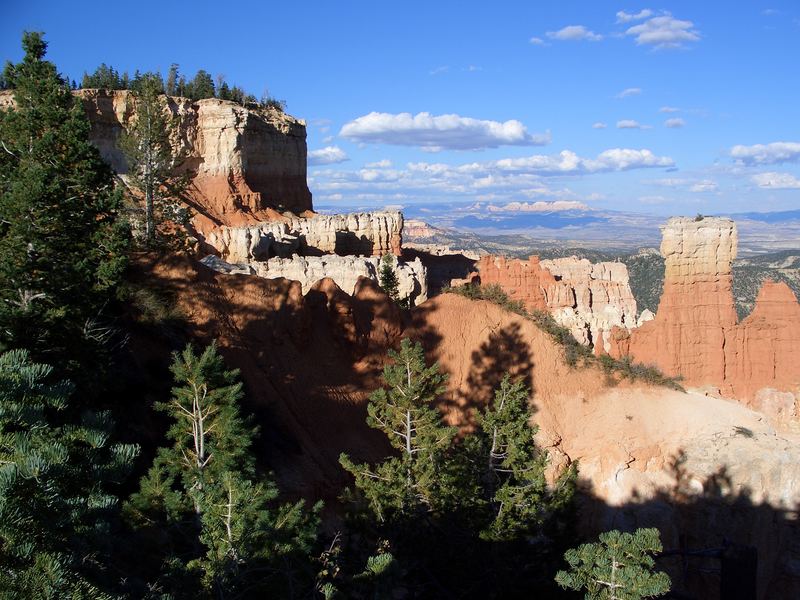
point(685, 108)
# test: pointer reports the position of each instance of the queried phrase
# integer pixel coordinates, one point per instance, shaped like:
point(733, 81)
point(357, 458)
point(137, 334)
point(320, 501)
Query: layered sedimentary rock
point(344, 271)
point(703, 470)
point(763, 351)
point(589, 299)
point(361, 234)
point(243, 161)
point(695, 333)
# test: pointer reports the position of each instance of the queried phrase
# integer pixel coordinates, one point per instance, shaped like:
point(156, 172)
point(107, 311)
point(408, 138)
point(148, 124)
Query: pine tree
point(62, 246)
point(201, 86)
point(388, 278)
point(511, 468)
point(149, 153)
point(418, 479)
point(619, 567)
point(55, 475)
point(205, 488)
point(171, 87)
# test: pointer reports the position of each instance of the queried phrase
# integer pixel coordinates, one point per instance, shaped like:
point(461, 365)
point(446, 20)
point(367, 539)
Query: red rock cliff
point(695, 333)
point(244, 162)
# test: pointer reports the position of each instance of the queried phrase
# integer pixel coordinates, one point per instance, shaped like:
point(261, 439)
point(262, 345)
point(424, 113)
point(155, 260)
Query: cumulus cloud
point(537, 41)
point(435, 133)
point(634, 91)
point(574, 33)
point(767, 154)
point(328, 155)
point(674, 123)
point(624, 17)
point(599, 125)
point(664, 31)
point(381, 164)
point(776, 181)
point(499, 181)
point(568, 162)
point(668, 109)
point(630, 124)
point(706, 185)
point(555, 206)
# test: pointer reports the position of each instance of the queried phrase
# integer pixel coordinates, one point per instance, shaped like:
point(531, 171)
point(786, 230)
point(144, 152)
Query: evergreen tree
point(388, 277)
point(619, 567)
point(204, 488)
point(62, 247)
point(417, 480)
point(151, 159)
point(55, 474)
point(171, 87)
point(511, 468)
point(201, 86)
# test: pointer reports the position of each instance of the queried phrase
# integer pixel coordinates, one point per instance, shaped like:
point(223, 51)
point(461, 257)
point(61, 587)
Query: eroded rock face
point(695, 333)
point(360, 234)
point(589, 299)
point(702, 469)
point(243, 161)
point(345, 271)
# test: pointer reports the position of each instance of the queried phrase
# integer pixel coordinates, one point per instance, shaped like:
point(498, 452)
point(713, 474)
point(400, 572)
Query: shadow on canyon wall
point(309, 364)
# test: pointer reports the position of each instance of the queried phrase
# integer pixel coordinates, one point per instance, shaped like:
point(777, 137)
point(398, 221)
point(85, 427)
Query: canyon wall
point(363, 234)
point(695, 333)
point(589, 299)
point(245, 163)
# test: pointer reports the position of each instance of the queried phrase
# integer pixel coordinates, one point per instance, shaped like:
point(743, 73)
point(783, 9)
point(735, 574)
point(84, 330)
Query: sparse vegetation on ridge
point(575, 353)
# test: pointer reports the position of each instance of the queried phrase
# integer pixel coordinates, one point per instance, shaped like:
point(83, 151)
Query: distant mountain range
point(575, 224)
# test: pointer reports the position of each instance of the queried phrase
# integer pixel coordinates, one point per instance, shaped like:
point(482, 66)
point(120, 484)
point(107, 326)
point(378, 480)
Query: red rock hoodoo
point(695, 334)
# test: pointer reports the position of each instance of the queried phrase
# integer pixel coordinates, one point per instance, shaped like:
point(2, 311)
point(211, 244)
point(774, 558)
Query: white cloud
point(537, 41)
point(568, 163)
point(622, 159)
point(767, 154)
point(776, 181)
point(435, 133)
point(706, 185)
point(664, 31)
point(557, 205)
point(770, 12)
point(574, 33)
point(327, 156)
point(693, 185)
point(439, 70)
point(599, 125)
point(381, 164)
point(505, 180)
point(668, 109)
point(674, 123)
point(473, 69)
point(623, 17)
point(631, 124)
point(635, 91)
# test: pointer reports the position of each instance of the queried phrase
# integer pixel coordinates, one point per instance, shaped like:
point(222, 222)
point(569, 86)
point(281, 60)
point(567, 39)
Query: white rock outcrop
point(345, 272)
point(600, 298)
point(360, 234)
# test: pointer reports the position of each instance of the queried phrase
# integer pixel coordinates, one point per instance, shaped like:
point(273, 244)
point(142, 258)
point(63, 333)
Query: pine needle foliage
point(206, 490)
point(55, 504)
point(511, 467)
point(62, 246)
point(150, 155)
point(388, 277)
point(618, 567)
point(416, 479)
